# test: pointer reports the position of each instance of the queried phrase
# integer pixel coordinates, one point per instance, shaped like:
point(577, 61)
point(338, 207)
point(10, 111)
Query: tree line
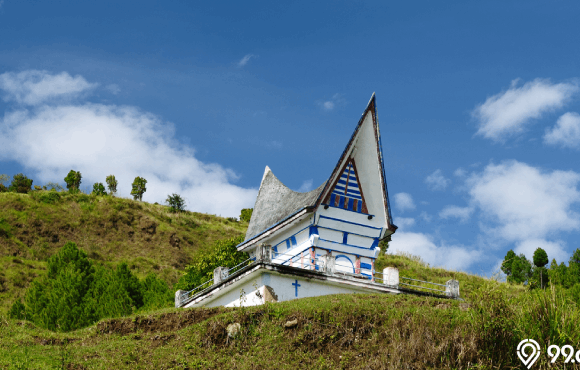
point(534, 274)
point(20, 183)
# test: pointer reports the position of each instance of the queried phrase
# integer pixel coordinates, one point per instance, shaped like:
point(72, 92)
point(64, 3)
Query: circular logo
point(527, 356)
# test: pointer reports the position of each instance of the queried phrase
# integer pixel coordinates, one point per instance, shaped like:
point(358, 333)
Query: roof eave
point(272, 229)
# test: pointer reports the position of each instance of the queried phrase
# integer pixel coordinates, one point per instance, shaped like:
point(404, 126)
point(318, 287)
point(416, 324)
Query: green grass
point(147, 236)
point(331, 332)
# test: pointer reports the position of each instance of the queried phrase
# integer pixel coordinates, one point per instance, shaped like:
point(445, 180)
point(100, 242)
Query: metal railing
point(195, 290)
point(240, 265)
point(423, 287)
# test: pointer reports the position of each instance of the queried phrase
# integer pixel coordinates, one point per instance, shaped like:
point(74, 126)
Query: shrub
point(75, 293)
point(17, 311)
point(176, 203)
point(53, 186)
point(246, 214)
point(3, 188)
point(112, 184)
point(224, 254)
point(99, 189)
point(20, 184)
point(138, 188)
point(73, 181)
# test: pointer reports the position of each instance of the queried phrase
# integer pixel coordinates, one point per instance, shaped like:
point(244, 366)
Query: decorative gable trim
point(346, 191)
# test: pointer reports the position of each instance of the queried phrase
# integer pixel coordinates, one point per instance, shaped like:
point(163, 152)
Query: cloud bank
point(99, 140)
point(507, 113)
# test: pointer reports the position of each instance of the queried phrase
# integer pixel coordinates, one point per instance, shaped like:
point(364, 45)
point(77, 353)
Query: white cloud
point(437, 181)
point(336, 100)
point(461, 213)
point(425, 216)
point(35, 87)
point(99, 140)
point(113, 89)
point(404, 223)
point(419, 244)
point(506, 113)
point(246, 59)
point(404, 201)
point(553, 249)
point(566, 133)
point(460, 172)
point(306, 186)
point(519, 201)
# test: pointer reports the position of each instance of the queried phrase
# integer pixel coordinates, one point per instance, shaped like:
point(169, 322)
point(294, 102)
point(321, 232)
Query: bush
point(53, 186)
point(20, 184)
point(75, 293)
point(224, 254)
point(176, 203)
point(73, 181)
point(246, 214)
point(99, 189)
point(18, 311)
point(3, 188)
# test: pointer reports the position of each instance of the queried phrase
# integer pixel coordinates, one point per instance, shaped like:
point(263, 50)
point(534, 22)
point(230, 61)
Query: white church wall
point(360, 241)
point(330, 235)
point(368, 168)
point(340, 219)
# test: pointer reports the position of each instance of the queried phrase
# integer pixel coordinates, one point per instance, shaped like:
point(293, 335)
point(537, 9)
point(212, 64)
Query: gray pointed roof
point(275, 202)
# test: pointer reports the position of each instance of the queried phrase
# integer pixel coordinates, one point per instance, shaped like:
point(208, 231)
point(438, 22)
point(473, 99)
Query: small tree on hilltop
point(540, 260)
point(246, 214)
point(73, 180)
point(99, 189)
point(138, 188)
point(176, 203)
point(112, 184)
point(20, 184)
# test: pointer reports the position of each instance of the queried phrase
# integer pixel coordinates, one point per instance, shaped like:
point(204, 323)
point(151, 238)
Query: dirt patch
point(148, 226)
point(163, 323)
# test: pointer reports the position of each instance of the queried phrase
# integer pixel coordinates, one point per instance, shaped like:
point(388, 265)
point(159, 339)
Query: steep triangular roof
point(366, 137)
point(276, 203)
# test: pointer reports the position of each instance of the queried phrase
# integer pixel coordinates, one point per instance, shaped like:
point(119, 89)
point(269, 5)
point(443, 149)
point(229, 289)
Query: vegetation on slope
point(342, 331)
point(148, 237)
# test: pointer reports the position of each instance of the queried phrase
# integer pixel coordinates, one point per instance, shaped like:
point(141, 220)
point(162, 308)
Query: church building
point(316, 243)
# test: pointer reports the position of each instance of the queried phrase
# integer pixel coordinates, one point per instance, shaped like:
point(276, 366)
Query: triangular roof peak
point(362, 159)
point(364, 150)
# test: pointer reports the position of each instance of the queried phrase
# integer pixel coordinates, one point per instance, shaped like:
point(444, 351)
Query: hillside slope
point(349, 331)
point(147, 236)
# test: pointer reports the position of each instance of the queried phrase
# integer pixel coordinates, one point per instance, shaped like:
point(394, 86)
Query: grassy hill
point(341, 331)
point(147, 236)
point(376, 331)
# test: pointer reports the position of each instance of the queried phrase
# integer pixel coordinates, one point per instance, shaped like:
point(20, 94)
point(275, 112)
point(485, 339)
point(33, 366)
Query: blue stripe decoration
point(293, 241)
point(313, 230)
point(347, 189)
point(344, 238)
point(365, 266)
point(287, 243)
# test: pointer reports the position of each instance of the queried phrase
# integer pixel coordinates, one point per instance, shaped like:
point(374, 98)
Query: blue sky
point(478, 105)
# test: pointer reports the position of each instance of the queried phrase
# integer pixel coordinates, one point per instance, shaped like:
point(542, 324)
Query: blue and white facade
point(322, 242)
point(347, 219)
